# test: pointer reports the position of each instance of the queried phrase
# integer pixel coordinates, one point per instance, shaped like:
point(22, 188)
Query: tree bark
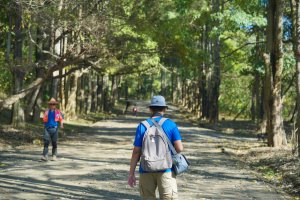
point(273, 73)
point(62, 90)
point(99, 93)
point(71, 106)
point(33, 99)
point(105, 94)
point(80, 94)
point(203, 71)
point(89, 93)
point(94, 94)
point(163, 82)
point(179, 89)
point(114, 91)
point(295, 12)
point(18, 118)
point(8, 40)
point(184, 93)
point(215, 74)
point(174, 84)
point(37, 107)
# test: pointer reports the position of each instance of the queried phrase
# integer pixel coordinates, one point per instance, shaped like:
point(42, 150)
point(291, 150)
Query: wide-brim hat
point(158, 101)
point(53, 101)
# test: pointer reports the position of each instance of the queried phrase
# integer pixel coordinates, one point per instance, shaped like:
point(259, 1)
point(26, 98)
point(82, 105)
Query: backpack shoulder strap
point(146, 124)
point(162, 120)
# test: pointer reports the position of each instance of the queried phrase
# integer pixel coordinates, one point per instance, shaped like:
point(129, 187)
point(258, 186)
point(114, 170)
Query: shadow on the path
point(105, 150)
point(65, 161)
point(55, 189)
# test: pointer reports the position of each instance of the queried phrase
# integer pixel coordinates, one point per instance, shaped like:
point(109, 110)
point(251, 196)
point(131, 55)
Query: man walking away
point(145, 145)
point(52, 117)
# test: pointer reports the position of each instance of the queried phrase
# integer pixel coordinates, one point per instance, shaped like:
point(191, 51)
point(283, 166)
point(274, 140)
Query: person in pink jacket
point(52, 118)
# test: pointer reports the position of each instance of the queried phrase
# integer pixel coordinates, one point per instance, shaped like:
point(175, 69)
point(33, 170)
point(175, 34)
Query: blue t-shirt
point(170, 129)
point(51, 119)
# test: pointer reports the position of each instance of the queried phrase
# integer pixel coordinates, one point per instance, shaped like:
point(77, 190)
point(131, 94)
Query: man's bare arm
point(178, 146)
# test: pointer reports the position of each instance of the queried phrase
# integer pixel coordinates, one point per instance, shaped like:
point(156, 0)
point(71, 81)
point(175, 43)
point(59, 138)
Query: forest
point(217, 59)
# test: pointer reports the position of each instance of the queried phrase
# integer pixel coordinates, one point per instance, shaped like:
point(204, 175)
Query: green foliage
point(288, 86)
point(267, 172)
point(136, 39)
point(235, 95)
point(5, 76)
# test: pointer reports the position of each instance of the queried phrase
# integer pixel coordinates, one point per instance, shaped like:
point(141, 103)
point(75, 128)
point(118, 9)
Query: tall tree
point(18, 70)
point(297, 30)
point(295, 9)
point(273, 73)
point(215, 74)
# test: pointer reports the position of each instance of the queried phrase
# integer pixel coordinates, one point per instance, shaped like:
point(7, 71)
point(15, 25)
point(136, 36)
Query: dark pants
point(50, 134)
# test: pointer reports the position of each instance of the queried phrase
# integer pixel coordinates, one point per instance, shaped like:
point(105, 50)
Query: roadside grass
point(268, 172)
point(277, 166)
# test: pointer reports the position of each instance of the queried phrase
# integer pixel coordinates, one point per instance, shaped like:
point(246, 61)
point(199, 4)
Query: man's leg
point(46, 139)
point(54, 136)
point(167, 186)
point(147, 184)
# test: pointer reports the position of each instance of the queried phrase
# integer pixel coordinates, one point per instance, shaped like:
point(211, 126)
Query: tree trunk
point(258, 97)
point(198, 108)
point(114, 91)
point(215, 74)
point(163, 82)
point(297, 30)
point(255, 106)
point(31, 46)
point(203, 72)
point(71, 106)
point(85, 89)
point(8, 40)
point(254, 99)
point(174, 84)
point(295, 9)
point(18, 119)
point(252, 109)
point(32, 99)
point(37, 107)
point(94, 93)
point(36, 98)
point(89, 93)
point(54, 87)
point(273, 73)
point(99, 93)
point(31, 104)
point(105, 94)
point(80, 94)
point(179, 90)
point(62, 90)
point(184, 93)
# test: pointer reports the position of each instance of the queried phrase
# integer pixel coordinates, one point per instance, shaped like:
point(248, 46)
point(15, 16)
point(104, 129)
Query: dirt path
point(95, 166)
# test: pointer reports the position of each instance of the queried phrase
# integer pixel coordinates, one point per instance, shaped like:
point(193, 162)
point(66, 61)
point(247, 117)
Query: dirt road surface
point(95, 164)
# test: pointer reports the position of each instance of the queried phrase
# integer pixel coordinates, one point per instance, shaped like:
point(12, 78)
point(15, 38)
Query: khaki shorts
point(165, 182)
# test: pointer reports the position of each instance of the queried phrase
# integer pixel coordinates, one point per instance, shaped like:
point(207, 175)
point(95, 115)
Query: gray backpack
point(156, 155)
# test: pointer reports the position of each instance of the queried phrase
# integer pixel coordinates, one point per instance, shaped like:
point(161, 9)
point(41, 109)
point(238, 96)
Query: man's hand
point(136, 153)
point(131, 180)
point(62, 126)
